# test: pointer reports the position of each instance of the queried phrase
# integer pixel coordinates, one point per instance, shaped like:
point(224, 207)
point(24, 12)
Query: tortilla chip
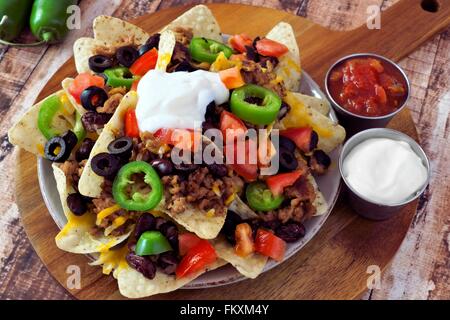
point(75, 237)
point(197, 221)
point(26, 134)
point(202, 22)
point(289, 67)
point(83, 49)
point(132, 284)
point(115, 31)
point(321, 105)
point(90, 184)
point(319, 202)
point(250, 266)
point(330, 133)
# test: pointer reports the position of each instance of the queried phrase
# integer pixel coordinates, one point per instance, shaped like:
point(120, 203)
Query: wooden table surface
point(420, 268)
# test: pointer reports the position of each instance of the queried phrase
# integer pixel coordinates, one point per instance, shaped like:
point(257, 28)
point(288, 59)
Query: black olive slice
point(121, 147)
point(287, 160)
point(126, 56)
point(93, 97)
point(56, 150)
point(105, 165)
point(100, 63)
point(85, 150)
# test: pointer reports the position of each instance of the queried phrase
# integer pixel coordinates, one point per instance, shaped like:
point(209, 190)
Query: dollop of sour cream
point(177, 100)
point(385, 171)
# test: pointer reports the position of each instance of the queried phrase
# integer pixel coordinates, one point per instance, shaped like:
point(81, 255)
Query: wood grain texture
point(420, 269)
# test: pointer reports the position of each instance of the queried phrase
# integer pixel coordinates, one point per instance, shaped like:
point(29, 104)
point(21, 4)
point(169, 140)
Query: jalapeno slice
point(260, 198)
point(49, 108)
point(151, 243)
point(207, 50)
point(255, 104)
point(127, 191)
point(119, 77)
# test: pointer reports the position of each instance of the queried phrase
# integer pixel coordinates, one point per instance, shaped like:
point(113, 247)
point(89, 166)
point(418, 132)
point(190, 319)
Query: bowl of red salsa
point(366, 90)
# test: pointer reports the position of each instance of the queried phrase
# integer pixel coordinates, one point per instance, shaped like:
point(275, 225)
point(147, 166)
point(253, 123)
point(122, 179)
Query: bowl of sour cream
point(383, 170)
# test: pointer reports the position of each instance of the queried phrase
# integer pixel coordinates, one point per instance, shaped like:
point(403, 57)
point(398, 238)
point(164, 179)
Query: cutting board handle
point(404, 27)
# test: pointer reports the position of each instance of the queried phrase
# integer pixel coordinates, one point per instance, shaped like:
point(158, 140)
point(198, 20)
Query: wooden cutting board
point(334, 264)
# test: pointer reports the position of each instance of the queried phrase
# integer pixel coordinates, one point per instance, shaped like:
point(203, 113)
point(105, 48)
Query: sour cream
point(177, 100)
point(385, 171)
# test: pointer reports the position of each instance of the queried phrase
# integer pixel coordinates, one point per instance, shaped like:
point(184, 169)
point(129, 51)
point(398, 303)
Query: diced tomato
point(181, 138)
point(145, 63)
point(380, 93)
point(304, 138)
point(135, 84)
point(244, 240)
point(280, 181)
point(186, 241)
point(232, 78)
point(248, 169)
point(82, 82)
point(196, 259)
point(270, 48)
point(231, 126)
point(131, 124)
point(239, 41)
point(268, 244)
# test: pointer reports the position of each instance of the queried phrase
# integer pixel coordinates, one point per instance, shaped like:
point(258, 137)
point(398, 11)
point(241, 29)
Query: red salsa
point(367, 86)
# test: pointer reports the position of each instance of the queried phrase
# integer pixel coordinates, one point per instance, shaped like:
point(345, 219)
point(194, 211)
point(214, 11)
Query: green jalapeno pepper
point(13, 18)
point(259, 114)
point(260, 198)
point(207, 50)
point(126, 192)
point(119, 77)
point(152, 242)
point(47, 112)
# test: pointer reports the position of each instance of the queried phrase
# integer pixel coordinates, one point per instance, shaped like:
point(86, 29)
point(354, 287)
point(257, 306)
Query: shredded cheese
point(106, 212)
point(211, 213)
point(230, 199)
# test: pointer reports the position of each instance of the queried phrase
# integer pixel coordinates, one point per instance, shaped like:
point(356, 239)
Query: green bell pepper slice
point(260, 198)
point(126, 192)
point(263, 114)
point(119, 77)
point(151, 243)
point(47, 112)
point(207, 50)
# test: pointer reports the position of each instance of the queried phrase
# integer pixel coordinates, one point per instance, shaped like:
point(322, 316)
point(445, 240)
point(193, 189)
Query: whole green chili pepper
point(48, 20)
point(13, 17)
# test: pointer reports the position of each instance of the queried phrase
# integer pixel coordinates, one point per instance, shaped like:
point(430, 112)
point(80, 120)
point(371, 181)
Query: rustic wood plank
point(423, 258)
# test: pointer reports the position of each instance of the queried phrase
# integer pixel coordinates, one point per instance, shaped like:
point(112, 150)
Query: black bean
point(287, 160)
point(168, 262)
point(85, 150)
point(184, 66)
point(105, 164)
point(71, 139)
point(163, 166)
point(93, 121)
point(126, 56)
point(142, 264)
point(229, 227)
point(146, 222)
point(170, 231)
point(76, 204)
point(252, 54)
point(159, 222)
point(291, 231)
point(100, 63)
point(218, 170)
point(184, 168)
point(153, 41)
point(93, 97)
point(287, 144)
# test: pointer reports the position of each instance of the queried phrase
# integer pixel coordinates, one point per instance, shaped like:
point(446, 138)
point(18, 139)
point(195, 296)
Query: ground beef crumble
point(198, 190)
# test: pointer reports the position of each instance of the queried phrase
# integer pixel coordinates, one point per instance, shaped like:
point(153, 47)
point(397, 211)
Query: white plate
point(329, 184)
